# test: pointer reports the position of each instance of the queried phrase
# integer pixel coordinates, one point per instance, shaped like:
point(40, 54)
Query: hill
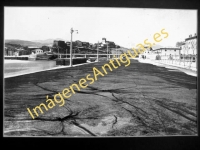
point(23, 42)
point(47, 41)
point(13, 46)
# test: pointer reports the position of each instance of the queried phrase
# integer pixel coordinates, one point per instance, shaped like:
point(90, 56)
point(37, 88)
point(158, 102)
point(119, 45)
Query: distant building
point(103, 41)
point(168, 53)
point(24, 52)
point(19, 49)
point(59, 44)
point(110, 44)
point(37, 51)
point(78, 43)
point(12, 51)
point(85, 44)
point(32, 47)
point(45, 48)
point(9, 51)
point(91, 45)
point(60, 47)
point(190, 46)
point(117, 46)
point(68, 43)
point(5, 51)
point(104, 44)
point(74, 44)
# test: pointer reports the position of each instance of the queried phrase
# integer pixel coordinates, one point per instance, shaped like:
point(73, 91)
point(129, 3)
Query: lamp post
point(98, 52)
point(71, 47)
point(58, 52)
point(117, 52)
point(107, 51)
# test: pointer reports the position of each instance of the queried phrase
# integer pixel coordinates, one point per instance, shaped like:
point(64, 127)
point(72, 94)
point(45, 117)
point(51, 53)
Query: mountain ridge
point(38, 43)
point(23, 42)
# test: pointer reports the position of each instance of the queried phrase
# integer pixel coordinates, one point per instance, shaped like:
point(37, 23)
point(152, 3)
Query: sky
point(126, 27)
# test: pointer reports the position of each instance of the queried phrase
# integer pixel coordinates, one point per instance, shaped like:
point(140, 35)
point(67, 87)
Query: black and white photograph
point(100, 72)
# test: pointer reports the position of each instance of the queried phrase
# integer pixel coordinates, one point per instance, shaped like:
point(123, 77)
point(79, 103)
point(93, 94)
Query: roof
point(165, 48)
point(109, 42)
point(190, 38)
point(19, 49)
point(33, 47)
point(37, 49)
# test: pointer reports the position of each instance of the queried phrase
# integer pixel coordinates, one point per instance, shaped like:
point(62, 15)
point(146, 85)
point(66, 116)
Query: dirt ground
point(138, 100)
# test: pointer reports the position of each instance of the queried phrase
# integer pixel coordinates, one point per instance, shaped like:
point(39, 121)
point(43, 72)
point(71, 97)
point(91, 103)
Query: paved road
point(138, 100)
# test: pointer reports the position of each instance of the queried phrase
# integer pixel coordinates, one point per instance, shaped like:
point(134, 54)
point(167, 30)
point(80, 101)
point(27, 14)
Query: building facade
point(161, 53)
point(37, 51)
point(190, 46)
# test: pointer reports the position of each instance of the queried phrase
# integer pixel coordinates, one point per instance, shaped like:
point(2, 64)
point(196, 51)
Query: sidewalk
point(188, 71)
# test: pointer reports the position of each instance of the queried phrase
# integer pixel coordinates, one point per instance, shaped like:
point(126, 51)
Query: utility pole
point(107, 51)
point(58, 52)
point(116, 49)
point(98, 52)
point(70, 64)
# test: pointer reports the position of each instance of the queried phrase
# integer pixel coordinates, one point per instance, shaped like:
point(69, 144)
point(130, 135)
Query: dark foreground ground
point(139, 100)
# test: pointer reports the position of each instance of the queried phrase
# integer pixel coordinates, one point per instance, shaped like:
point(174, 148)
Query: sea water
point(14, 68)
point(20, 67)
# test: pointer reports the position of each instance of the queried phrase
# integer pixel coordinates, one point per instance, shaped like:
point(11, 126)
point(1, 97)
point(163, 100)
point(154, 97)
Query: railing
point(88, 55)
point(186, 61)
point(186, 58)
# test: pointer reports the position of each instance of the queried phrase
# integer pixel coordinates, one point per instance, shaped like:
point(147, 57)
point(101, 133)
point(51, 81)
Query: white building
point(190, 46)
point(168, 53)
point(37, 51)
point(161, 53)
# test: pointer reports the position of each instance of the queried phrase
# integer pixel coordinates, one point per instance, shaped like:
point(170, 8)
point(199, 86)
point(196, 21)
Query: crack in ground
point(142, 121)
point(115, 121)
point(175, 111)
point(85, 129)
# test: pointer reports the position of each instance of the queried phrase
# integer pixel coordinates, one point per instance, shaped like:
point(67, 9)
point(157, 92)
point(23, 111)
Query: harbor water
point(20, 67)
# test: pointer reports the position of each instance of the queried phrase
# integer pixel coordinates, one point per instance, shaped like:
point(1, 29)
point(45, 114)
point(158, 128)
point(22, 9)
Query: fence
point(88, 55)
point(184, 61)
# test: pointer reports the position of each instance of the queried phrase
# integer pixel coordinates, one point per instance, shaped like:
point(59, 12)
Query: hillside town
point(60, 47)
point(184, 50)
point(184, 54)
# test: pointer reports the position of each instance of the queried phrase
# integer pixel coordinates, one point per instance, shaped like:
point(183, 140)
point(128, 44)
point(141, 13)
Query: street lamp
point(107, 51)
point(116, 49)
point(58, 52)
point(98, 52)
point(71, 47)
